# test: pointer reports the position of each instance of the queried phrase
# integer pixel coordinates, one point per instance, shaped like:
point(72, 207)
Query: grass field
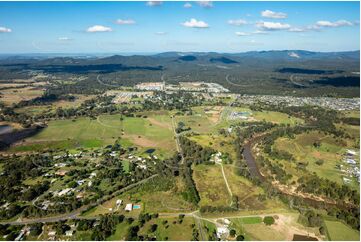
point(15, 95)
point(172, 230)
point(87, 133)
point(211, 185)
point(330, 151)
point(339, 231)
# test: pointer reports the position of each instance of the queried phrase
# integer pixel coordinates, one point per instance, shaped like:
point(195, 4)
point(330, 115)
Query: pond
point(5, 129)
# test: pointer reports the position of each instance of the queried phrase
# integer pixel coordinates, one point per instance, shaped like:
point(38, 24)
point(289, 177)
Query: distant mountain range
point(191, 56)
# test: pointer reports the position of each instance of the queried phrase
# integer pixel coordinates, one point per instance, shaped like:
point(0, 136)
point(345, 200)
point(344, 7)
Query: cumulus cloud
point(269, 26)
point(5, 30)
point(125, 21)
point(271, 14)
point(187, 5)
point(98, 28)
point(339, 23)
point(64, 39)
point(194, 23)
point(205, 4)
point(154, 3)
point(160, 33)
point(242, 34)
point(237, 22)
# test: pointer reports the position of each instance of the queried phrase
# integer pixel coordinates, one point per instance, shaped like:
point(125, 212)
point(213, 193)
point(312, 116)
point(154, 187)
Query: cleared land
point(331, 151)
point(284, 228)
point(339, 231)
point(88, 133)
point(211, 186)
point(15, 95)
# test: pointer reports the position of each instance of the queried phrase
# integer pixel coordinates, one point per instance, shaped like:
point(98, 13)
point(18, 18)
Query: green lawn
point(339, 231)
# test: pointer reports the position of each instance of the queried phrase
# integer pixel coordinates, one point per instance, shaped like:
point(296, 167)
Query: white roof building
point(129, 207)
point(222, 232)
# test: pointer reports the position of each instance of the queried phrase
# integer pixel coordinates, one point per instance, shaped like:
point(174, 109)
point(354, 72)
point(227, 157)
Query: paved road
point(76, 213)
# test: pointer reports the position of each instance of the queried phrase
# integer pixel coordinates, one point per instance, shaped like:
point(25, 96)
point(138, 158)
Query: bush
point(240, 237)
point(232, 232)
point(268, 220)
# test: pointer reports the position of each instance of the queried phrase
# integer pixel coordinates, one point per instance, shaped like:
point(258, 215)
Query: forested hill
point(288, 72)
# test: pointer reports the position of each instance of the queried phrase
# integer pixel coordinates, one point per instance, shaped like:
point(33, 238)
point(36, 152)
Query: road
point(105, 84)
point(226, 181)
point(76, 213)
point(179, 148)
point(294, 82)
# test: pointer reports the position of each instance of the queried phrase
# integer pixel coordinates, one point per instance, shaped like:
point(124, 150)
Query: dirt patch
point(141, 141)
point(287, 226)
point(160, 124)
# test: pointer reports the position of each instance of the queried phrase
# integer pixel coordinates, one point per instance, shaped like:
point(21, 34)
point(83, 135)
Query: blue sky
point(118, 27)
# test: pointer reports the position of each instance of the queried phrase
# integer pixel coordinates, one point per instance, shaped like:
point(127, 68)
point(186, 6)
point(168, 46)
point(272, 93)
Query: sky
point(153, 27)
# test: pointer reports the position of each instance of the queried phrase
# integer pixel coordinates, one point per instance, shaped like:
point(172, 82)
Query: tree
point(268, 220)
point(240, 237)
point(153, 228)
point(232, 232)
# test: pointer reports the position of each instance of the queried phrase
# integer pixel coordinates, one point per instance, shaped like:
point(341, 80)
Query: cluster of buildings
point(126, 96)
point(351, 169)
point(151, 86)
point(339, 104)
point(183, 86)
point(240, 115)
point(223, 229)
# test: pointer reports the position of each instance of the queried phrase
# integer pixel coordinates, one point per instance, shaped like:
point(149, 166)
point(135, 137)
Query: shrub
point(268, 220)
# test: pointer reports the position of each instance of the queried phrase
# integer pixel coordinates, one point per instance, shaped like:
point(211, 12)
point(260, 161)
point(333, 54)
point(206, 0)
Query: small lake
point(5, 129)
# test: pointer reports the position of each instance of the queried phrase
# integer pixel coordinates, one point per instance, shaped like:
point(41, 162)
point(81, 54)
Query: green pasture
point(93, 133)
point(339, 231)
point(331, 151)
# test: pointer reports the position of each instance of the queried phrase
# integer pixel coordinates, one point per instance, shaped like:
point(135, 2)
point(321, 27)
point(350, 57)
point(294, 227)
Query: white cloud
point(64, 39)
point(154, 3)
point(98, 28)
point(5, 30)
point(242, 33)
point(259, 32)
point(338, 23)
point(271, 14)
point(194, 23)
point(250, 33)
point(160, 33)
point(297, 29)
point(187, 5)
point(269, 26)
point(205, 4)
point(125, 21)
point(237, 22)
